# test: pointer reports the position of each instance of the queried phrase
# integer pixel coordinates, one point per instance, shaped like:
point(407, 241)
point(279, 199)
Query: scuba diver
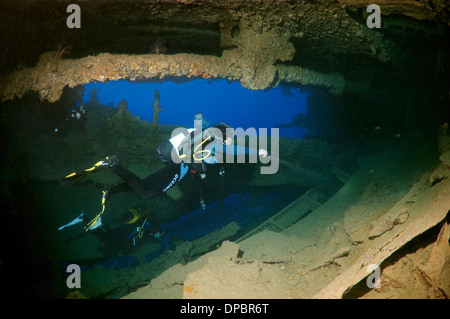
point(182, 156)
point(138, 221)
point(138, 226)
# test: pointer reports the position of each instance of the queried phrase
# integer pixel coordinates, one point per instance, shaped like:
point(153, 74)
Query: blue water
point(218, 100)
point(238, 207)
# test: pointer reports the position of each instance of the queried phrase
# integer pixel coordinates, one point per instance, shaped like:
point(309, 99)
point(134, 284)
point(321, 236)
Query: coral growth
point(159, 46)
point(122, 122)
point(75, 295)
point(156, 109)
point(64, 50)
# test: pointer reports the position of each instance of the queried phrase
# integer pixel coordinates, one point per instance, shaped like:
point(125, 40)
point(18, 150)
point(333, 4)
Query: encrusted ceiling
point(258, 43)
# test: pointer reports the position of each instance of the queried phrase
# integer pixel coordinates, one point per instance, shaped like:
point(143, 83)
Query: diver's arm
point(242, 150)
point(239, 150)
point(236, 149)
point(217, 148)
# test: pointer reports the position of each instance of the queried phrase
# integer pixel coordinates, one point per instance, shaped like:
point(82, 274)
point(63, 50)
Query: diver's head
point(127, 217)
point(132, 215)
point(222, 126)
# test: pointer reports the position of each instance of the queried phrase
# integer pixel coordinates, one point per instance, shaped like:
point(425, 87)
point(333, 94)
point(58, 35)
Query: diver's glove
point(262, 152)
point(202, 204)
point(157, 235)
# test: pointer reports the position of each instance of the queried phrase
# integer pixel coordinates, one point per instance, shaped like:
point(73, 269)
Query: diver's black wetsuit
point(165, 178)
point(160, 181)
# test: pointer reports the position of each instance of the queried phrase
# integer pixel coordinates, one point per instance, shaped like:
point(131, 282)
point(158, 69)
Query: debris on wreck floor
point(416, 271)
point(323, 257)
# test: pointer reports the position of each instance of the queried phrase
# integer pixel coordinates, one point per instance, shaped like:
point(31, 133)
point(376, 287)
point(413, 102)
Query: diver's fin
point(71, 179)
point(77, 220)
point(97, 221)
point(109, 162)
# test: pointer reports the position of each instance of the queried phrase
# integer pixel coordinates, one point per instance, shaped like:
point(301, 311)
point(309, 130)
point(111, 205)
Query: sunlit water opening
point(218, 100)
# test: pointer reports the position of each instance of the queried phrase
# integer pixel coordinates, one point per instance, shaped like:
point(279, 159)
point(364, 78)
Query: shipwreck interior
point(364, 148)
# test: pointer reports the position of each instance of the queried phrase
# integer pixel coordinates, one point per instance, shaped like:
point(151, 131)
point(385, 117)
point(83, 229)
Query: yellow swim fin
point(105, 194)
point(72, 178)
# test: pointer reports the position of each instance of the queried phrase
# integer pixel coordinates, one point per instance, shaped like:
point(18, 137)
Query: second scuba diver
point(138, 226)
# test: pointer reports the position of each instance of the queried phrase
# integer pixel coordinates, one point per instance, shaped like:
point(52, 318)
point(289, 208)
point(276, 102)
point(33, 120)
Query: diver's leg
point(150, 186)
point(132, 180)
point(163, 179)
point(158, 182)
